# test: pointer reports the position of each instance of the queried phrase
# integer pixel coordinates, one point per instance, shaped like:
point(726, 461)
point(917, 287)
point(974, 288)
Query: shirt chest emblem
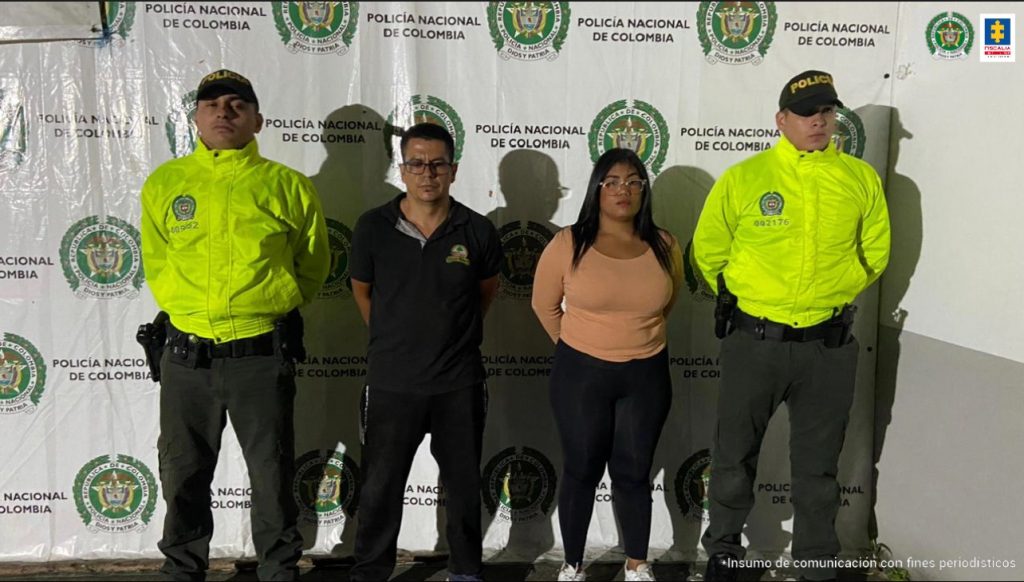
point(458, 254)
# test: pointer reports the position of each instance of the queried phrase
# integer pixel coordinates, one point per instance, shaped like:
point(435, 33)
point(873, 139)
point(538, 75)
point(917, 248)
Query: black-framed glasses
point(417, 167)
point(614, 184)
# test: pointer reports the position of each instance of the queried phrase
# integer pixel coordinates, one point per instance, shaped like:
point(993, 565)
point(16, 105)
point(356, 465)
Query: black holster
point(288, 338)
point(725, 304)
point(840, 329)
point(153, 337)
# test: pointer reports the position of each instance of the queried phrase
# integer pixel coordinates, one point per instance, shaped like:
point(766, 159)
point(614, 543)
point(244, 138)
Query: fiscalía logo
point(849, 136)
point(523, 242)
point(429, 109)
point(115, 496)
point(339, 280)
point(13, 129)
point(771, 204)
point(736, 33)
point(184, 207)
point(317, 28)
point(326, 487)
point(528, 31)
point(458, 254)
point(519, 486)
point(180, 126)
point(102, 258)
point(692, 484)
point(120, 18)
point(22, 375)
point(631, 124)
point(950, 36)
point(694, 279)
point(998, 44)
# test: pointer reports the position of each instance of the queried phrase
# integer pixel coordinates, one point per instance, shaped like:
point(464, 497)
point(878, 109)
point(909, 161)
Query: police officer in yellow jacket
point(792, 235)
point(231, 243)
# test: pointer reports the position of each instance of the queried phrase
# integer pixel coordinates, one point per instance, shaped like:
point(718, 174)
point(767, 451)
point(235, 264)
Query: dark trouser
point(608, 413)
point(817, 385)
point(394, 424)
point(258, 393)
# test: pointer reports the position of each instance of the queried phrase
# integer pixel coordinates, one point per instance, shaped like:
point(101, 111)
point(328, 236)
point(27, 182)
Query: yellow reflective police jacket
point(231, 241)
point(795, 233)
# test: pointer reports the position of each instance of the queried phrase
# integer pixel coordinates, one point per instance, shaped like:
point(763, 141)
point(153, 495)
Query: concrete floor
point(410, 569)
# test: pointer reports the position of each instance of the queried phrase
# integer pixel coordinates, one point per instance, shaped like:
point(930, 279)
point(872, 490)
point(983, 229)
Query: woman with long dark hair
point(617, 275)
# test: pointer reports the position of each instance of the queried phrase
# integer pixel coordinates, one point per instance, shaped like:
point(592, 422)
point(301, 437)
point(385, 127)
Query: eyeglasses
point(417, 167)
point(615, 184)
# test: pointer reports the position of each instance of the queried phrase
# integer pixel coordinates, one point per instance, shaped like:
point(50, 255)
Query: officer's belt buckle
point(759, 328)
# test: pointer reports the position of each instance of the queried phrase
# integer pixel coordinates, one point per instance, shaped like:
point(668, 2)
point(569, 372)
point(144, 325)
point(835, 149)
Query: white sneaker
point(569, 574)
point(642, 572)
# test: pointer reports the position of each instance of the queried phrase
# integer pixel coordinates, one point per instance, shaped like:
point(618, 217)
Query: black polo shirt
point(425, 320)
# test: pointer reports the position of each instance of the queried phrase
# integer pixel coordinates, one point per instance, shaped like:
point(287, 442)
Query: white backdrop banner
point(533, 92)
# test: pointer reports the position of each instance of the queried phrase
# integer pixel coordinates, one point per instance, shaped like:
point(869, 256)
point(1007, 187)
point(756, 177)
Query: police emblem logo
point(115, 496)
point(528, 31)
point(184, 207)
point(120, 19)
point(339, 280)
point(180, 126)
point(102, 259)
point(428, 109)
point(523, 242)
point(458, 254)
point(519, 486)
point(950, 36)
point(771, 204)
point(692, 484)
point(849, 136)
point(317, 28)
point(631, 124)
point(326, 487)
point(736, 33)
point(13, 129)
point(22, 375)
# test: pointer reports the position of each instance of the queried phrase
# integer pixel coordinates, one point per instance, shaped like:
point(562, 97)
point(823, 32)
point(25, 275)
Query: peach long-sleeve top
point(614, 309)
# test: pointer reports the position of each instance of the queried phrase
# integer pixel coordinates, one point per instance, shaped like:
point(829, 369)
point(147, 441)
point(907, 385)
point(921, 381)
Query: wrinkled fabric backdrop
point(533, 93)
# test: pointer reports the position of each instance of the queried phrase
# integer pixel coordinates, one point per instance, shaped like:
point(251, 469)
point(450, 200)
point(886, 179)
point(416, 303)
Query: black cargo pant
point(394, 424)
point(258, 393)
point(817, 385)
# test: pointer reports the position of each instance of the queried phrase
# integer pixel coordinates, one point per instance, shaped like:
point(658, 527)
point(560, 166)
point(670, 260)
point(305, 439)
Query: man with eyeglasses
point(789, 238)
point(424, 271)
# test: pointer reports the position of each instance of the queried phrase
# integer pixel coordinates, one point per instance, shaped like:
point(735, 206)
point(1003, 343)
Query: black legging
point(608, 413)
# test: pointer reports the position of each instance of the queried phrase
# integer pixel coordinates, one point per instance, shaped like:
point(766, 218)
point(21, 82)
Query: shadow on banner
point(521, 448)
point(904, 200)
point(683, 457)
point(351, 180)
